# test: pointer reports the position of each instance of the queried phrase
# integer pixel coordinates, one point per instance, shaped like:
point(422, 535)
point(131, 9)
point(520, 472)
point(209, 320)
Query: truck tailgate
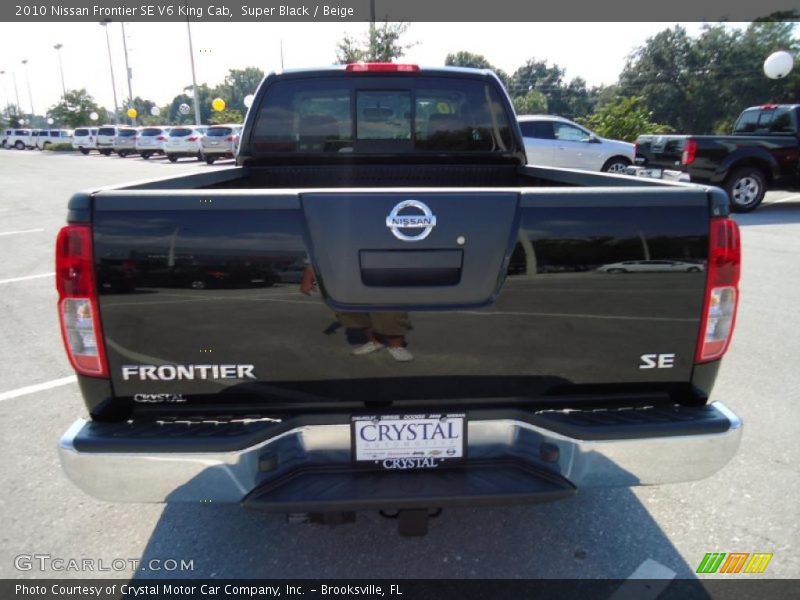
point(660, 151)
point(512, 293)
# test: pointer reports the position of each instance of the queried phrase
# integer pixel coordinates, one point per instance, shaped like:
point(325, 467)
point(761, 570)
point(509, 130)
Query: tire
point(617, 164)
point(123, 154)
point(172, 158)
point(199, 157)
point(84, 151)
point(746, 188)
point(210, 160)
point(105, 152)
point(19, 145)
point(145, 155)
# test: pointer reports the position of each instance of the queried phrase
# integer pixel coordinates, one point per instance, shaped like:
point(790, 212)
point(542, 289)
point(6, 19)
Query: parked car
point(85, 139)
point(182, 142)
point(53, 136)
point(557, 142)
point(762, 153)
point(151, 140)
point(528, 399)
point(20, 139)
point(125, 141)
point(105, 139)
point(220, 141)
point(651, 266)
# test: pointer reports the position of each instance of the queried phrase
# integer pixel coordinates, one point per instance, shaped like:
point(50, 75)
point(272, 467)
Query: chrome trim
point(229, 476)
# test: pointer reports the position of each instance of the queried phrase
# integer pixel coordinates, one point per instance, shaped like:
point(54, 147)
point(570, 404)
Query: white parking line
point(786, 199)
point(21, 231)
point(27, 277)
point(645, 583)
point(39, 387)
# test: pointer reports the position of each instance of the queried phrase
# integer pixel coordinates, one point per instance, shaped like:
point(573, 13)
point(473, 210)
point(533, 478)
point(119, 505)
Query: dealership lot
point(750, 506)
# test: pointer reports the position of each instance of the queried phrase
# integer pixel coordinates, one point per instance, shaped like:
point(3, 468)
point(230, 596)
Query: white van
point(85, 139)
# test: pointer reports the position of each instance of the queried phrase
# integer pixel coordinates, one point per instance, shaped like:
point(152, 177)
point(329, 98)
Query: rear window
point(758, 120)
point(126, 132)
point(82, 132)
point(401, 115)
point(180, 132)
point(151, 131)
point(106, 131)
point(219, 131)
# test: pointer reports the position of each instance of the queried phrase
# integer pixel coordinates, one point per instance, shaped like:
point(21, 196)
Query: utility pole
point(104, 24)
point(373, 42)
point(28, 80)
point(194, 79)
point(61, 68)
point(128, 70)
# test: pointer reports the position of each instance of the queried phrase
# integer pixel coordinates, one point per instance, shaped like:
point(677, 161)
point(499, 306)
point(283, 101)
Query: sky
point(158, 53)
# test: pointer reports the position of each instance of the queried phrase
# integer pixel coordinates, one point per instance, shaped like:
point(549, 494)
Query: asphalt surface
point(749, 506)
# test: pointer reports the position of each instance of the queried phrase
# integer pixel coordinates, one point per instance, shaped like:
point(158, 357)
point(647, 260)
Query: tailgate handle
point(410, 268)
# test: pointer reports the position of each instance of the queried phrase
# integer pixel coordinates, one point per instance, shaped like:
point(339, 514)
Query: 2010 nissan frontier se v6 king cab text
point(484, 332)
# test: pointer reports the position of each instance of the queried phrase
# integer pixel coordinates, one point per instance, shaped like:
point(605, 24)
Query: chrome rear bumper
point(621, 459)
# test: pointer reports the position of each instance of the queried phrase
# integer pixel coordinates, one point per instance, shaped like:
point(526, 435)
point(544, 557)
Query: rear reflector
point(722, 290)
point(77, 301)
point(689, 152)
point(381, 67)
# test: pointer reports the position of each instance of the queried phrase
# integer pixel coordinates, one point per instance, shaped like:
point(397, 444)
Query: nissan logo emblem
point(424, 222)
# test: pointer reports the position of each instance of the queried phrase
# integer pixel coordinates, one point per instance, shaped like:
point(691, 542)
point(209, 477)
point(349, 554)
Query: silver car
point(151, 140)
point(183, 141)
point(125, 141)
point(220, 141)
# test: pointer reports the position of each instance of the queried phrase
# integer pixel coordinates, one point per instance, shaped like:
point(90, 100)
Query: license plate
point(652, 173)
point(422, 441)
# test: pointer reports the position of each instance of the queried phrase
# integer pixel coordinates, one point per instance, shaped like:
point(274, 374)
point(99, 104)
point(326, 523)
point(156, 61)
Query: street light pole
point(104, 24)
point(61, 68)
point(5, 93)
point(28, 80)
point(194, 78)
point(16, 93)
point(128, 70)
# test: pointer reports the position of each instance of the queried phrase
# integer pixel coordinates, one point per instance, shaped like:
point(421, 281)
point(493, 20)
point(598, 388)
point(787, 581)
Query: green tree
point(238, 84)
point(700, 84)
point(173, 115)
point(74, 110)
point(226, 116)
point(534, 102)
point(380, 44)
point(474, 61)
point(570, 100)
point(623, 119)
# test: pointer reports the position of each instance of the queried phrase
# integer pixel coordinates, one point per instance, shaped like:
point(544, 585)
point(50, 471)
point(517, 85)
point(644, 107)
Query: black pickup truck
point(460, 338)
point(763, 152)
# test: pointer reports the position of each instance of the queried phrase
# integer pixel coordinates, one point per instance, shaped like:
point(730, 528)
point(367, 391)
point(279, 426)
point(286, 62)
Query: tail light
point(77, 301)
point(381, 67)
point(161, 138)
point(689, 152)
point(192, 138)
point(229, 138)
point(722, 290)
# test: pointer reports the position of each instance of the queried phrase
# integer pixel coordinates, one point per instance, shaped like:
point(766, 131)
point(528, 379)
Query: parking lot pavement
point(750, 506)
